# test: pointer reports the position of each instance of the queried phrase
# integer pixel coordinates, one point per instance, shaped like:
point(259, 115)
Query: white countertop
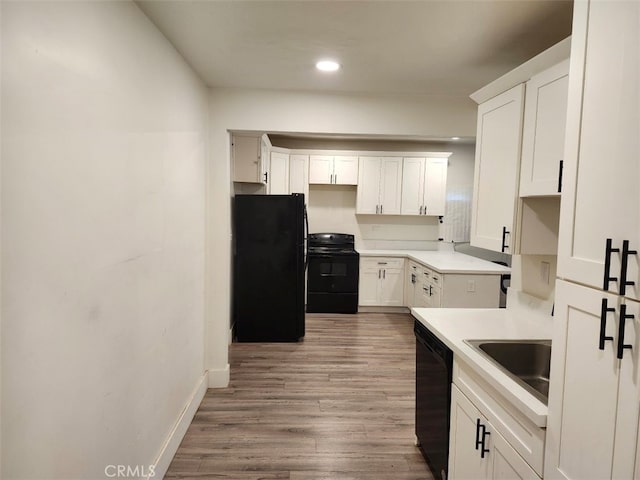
point(454, 325)
point(442, 261)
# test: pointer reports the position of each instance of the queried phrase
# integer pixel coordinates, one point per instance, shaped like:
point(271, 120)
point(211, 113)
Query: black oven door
point(332, 283)
point(330, 273)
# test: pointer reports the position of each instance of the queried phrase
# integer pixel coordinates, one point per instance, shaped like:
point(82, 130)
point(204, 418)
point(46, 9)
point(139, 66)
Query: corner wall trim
point(172, 442)
point(219, 378)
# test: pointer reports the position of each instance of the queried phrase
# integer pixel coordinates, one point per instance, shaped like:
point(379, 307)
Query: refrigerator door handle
point(306, 238)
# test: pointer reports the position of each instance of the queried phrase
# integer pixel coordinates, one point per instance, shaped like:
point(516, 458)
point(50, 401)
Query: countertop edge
point(411, 255)
point(521, 400)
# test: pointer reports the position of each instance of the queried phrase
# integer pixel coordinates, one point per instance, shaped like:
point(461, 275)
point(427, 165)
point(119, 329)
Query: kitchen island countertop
point(442, 261)
point(454, 325)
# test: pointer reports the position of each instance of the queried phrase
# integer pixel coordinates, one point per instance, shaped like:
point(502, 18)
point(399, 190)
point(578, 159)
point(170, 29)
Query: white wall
point(300, 112)
point(103, 157)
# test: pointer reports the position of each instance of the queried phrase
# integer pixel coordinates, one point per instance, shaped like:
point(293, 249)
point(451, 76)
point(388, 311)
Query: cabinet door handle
point(430, 290)
point(384, 274)
point(266, 177)
point(335, 178)
point(607, 264)
point(504, 239)
point(484, 437)
point(623, 318)
point(420, 209)
point(379, 273)
point(604, 309)
point(623, 269)
point(413, 278)
point(377, 206)
point(380, 208)
point(560, 167)
point(424, 209)
point(478, 442)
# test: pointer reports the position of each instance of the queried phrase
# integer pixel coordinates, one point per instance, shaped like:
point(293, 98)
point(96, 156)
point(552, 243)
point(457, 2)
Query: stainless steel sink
point(526, 361)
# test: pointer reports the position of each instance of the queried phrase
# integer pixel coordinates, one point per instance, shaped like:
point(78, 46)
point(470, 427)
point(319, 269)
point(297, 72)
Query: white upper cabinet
point(278, 174)
point(379, 185)
point(497, 164)
point(601, 186)
point(250, 157)
point(424, 182)
point(545, 115)
point(299, 174)
point(333, 170)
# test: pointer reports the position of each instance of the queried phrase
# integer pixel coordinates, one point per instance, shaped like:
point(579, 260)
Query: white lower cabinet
point(595, 386)
point(413, 286)
point(482, 418)
point(381, 282)
point(477, 450)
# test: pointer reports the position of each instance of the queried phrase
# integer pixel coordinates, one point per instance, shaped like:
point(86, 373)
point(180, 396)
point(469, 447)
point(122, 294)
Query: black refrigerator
point(269, 267)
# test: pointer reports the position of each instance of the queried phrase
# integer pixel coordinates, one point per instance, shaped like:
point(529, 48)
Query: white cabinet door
point(320, 169)
point(506, 463)
point(279, 174)
point(496, 171)
point(247, 153)
point(369, 284)
point(593, 398)
point(413, 170)
point(465, 460)
point(471, 433)
point(368, 196)
point(299, 175)
point(600, 197)
point(345, 170)
point(390, 185)
point(545, 118)
point(435, 186)
point(392, 287)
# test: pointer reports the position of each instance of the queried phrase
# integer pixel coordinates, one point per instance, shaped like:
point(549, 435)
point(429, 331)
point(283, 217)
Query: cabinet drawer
point(436, 278)
point(525, 437)
point(415, 268)
point(382, 262)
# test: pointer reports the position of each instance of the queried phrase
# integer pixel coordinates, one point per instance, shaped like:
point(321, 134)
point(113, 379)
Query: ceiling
point(429, 47)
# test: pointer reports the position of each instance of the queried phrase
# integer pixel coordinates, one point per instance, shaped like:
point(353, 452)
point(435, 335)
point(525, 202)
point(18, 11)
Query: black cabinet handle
point(430, 288)
point(413, 278)
point(623, 269)
point(384, 274)
point(504, 238)
point(380, 208)
point(420, 209)
point(379, 274)
point(478, 441)
point(623, 318)
point(607, 264)
point(484, 435)
point(377, 208)
point(266, 177)
point(603, 323)
point(560, 166)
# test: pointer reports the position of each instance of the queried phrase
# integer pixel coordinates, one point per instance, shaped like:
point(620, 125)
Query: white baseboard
point(172, 443)
point(219, 378)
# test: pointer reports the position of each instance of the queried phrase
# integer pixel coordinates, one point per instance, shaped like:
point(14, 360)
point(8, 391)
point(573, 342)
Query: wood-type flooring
point(338, 405)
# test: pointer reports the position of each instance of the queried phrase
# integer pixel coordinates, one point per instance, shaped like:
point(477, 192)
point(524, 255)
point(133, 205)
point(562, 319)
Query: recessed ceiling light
point(327, 65)
point(455, 138)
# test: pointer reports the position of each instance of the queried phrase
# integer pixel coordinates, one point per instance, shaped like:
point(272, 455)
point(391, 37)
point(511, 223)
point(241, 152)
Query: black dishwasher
point(434, 364)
